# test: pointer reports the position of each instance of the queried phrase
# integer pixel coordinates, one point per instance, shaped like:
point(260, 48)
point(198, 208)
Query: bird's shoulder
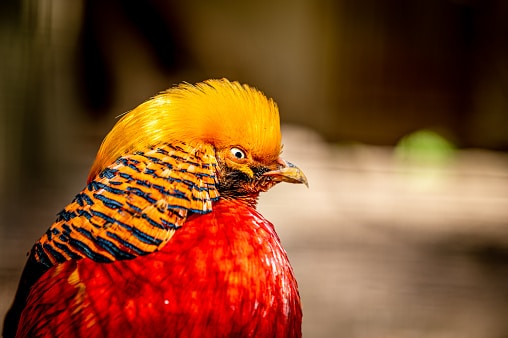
point(133, 206)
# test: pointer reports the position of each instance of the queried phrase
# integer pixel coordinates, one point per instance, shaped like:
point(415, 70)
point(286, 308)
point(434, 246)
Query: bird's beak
point(287, 172)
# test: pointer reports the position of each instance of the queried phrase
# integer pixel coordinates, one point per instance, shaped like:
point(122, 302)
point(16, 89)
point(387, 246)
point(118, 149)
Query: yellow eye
point(238, 153)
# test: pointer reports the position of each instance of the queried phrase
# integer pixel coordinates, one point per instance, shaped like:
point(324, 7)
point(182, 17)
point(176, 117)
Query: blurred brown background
point(397, 110)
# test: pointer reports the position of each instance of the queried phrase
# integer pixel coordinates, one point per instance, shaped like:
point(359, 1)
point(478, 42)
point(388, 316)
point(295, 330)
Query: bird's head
point(239, 122)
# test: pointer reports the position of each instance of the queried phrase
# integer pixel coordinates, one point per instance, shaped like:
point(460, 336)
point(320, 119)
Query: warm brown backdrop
point(382, 246)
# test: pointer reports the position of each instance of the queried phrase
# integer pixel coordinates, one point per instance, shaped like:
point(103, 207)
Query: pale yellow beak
point(288, 172)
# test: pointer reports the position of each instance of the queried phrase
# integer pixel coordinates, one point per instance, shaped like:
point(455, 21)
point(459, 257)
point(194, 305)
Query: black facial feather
point(234, 183)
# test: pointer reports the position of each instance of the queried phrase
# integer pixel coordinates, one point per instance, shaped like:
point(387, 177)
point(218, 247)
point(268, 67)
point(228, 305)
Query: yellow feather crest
point(216, 112)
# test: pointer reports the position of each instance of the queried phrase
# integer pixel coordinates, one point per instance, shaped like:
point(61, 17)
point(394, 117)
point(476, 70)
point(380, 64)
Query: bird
point(165, 240)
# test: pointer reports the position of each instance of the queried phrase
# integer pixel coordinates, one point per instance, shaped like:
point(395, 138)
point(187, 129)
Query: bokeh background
point(397, 110)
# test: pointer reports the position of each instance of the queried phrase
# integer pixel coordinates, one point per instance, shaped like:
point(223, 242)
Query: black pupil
point(238, 154)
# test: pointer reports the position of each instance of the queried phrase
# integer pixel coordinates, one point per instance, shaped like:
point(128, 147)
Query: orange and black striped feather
point(132, 207)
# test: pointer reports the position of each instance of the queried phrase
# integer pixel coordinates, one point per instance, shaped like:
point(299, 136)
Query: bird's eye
point(238, 153)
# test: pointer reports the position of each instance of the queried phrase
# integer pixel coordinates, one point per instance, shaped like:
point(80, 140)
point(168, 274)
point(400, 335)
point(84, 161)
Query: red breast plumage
point(225, 274)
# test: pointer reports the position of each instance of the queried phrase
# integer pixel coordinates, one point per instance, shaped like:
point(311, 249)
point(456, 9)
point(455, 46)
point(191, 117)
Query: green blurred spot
point(425, 147)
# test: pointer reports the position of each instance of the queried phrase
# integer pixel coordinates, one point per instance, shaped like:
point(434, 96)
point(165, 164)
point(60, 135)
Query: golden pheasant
point(165, 239)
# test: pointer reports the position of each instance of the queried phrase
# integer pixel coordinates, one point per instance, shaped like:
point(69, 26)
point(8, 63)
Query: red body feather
point(224, 274)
